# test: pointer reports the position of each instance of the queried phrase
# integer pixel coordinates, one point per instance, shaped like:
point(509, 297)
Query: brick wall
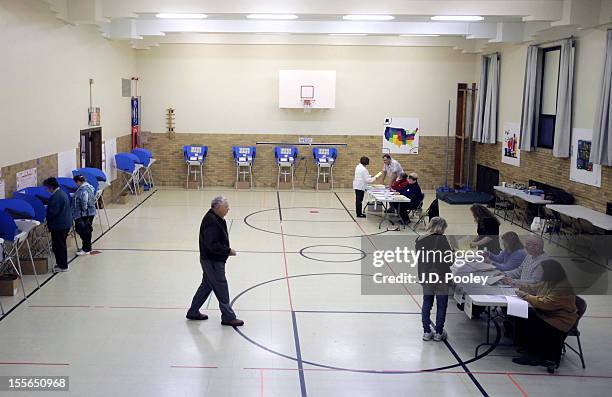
point(540, 165)
point(170, 169)
point(47, 167)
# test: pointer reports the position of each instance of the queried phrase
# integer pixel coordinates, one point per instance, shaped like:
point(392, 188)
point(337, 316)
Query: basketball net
point(307, 104)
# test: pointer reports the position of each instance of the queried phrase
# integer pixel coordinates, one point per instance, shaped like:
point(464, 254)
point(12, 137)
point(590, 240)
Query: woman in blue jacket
point(83, 212)
point(511, 256)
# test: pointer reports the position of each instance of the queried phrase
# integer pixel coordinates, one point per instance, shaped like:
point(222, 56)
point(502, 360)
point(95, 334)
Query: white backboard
point(320, 85)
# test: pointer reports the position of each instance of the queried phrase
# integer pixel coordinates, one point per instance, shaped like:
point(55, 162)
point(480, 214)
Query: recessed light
point(419, 35)
point(368, 17)
point(272, 16)
point(181, 16)
point(347, 34)
point(457, 18)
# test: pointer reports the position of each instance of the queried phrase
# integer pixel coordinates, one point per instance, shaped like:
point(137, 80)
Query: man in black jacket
point(214, 251)
point(414, 193)
point(59, 222)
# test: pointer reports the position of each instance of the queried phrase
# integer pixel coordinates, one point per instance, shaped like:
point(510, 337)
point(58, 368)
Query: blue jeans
point(441, 295)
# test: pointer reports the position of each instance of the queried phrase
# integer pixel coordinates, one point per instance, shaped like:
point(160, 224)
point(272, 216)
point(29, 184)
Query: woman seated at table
point(488, 229)
point(399, 185)
point(553, 315)
point(511, 256)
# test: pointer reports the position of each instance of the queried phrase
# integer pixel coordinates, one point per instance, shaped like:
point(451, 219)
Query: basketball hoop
point(307, 103)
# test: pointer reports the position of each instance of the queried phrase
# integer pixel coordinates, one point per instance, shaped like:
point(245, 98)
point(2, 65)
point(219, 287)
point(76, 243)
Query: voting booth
point(285, 160)
point(195, 157)
point(244, 157)
point(325, 159)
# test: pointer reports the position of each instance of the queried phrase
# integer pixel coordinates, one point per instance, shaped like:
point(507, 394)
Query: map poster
point(401, 135)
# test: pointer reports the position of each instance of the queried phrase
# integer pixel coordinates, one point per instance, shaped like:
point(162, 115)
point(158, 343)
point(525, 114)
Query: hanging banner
point(135, 122)
point(511, 154)
point(581, 169)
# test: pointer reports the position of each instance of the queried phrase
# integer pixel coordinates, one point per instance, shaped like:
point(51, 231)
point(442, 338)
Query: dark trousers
point(58, 243)
point(541, 339)
point(213, 280)
point(359, 201)
point(440, 293)
point(83, 226)
point(404, 208)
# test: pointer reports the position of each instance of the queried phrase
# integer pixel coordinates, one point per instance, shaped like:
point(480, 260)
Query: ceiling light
point(347, 34)
point(181, 16)
point(272, 16)
point(368, 17)
point(457, 18)
point(419, 35)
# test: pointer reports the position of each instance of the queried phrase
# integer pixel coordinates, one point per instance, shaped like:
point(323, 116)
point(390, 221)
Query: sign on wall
point(581, 169)
point(401, 135)
point(66, 162)
point(26, 178)
point(511, 154)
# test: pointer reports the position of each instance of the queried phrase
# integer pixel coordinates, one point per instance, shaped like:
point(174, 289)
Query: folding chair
point(146, 159)
point(195, 157)
point(127, 165)
point(325, 159)
point(581, 307)
point(102, 186)
point(244, 158)
point(432, 211)
point(285, 160)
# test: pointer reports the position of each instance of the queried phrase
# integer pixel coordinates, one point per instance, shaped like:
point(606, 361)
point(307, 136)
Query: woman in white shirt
point(361, 181)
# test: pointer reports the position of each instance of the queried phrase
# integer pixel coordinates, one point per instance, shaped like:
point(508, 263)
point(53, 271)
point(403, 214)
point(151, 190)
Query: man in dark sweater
point(59, 222)
point(413, 191)
point(214, 251)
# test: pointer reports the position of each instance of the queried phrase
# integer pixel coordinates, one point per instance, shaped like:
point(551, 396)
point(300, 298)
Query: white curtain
point(601, 149)
point(531, 99)
point(485, 117)
point(563, 121)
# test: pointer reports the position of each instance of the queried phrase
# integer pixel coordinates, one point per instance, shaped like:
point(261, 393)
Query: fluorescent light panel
point(457, 18)
point(272, 16)
point(181, 16)
point(347, 34)
point(368, 17)
point(419, 35)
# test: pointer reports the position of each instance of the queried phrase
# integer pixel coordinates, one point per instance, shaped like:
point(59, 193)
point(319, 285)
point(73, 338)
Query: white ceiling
point(505, 21)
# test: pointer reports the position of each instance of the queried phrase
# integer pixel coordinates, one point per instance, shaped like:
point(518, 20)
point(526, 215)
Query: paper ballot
point(517, 307)
point(377, 175)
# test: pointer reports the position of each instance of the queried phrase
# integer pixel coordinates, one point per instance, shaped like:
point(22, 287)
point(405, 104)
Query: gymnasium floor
point(116, 322)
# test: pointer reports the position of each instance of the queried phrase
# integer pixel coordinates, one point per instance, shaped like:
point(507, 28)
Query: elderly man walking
point(214, 251)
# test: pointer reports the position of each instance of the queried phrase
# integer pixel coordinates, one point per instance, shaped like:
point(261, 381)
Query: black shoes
point(361, 216)
point(233, 323)
point(198, 316)
point(526, 360)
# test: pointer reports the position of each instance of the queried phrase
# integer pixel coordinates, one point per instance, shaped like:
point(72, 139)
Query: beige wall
point(234, 88)
point(46, 66)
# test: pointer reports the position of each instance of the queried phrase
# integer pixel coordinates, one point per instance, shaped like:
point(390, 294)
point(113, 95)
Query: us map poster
point(401, 135)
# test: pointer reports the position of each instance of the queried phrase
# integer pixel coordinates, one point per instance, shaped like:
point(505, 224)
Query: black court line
point(298, 352)
point(344, 206)
point(73, 258)
point(280, 212)
point(240, 251)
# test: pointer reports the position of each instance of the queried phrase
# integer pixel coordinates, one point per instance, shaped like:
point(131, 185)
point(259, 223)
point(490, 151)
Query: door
point(91, 148)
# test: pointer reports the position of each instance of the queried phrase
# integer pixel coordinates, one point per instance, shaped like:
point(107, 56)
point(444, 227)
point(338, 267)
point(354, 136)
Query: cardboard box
point(243, 185)
point(9, 284)
point(40, 264)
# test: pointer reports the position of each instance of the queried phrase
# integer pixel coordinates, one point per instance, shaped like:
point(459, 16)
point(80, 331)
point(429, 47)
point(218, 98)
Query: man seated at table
point(530, 271)
point(413, 191)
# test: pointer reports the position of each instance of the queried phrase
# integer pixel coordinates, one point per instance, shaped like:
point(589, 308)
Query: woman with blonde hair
point(434, 263)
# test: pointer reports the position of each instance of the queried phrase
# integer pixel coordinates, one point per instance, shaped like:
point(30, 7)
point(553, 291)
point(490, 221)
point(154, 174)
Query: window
point(548, 102)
